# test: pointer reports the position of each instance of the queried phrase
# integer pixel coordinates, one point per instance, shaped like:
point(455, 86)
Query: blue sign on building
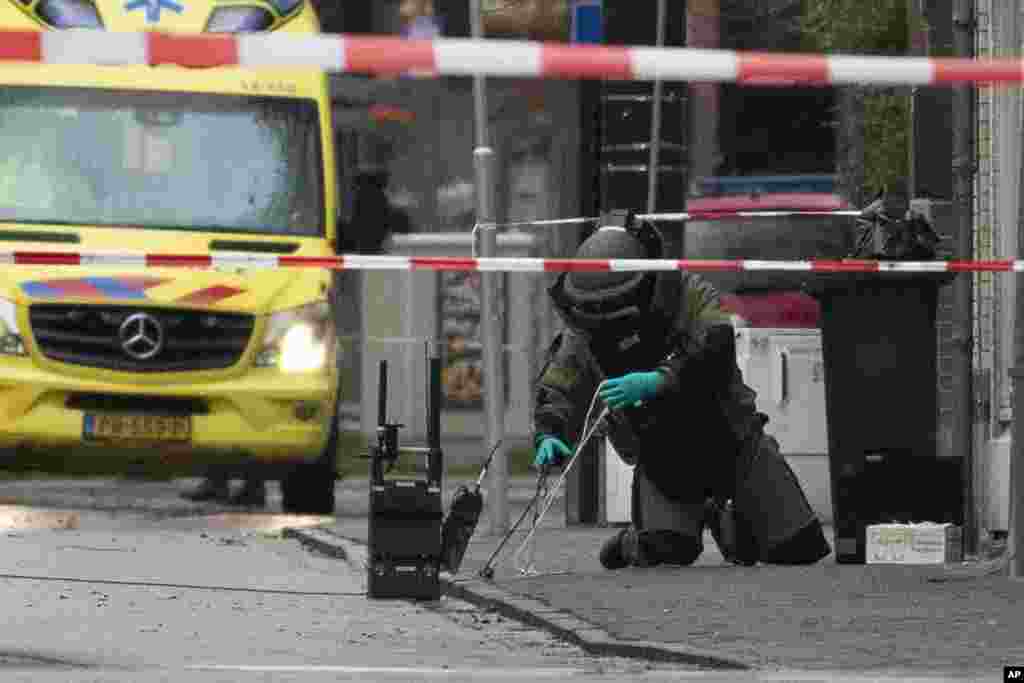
point(587, 22)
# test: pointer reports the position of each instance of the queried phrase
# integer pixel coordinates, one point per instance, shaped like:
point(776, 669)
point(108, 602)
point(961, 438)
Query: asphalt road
point(106, 581)
point(161, 498)
point(111, 581)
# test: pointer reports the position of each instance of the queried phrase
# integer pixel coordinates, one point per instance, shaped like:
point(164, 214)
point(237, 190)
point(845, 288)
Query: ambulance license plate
point(130, 427)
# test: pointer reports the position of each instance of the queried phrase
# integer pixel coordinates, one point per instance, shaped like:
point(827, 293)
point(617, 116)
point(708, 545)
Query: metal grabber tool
point(527, 548)
point(487, 571)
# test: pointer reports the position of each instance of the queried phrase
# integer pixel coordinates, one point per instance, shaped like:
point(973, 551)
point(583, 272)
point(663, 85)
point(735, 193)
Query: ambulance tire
point(309, 488)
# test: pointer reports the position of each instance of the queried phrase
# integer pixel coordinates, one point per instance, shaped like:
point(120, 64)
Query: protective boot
point(252, 494)
point(807, 546)
point(649, 548)
point(622, 550)
point(210, 489)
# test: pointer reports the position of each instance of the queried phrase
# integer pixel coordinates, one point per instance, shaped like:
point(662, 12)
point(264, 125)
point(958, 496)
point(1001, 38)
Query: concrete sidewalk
point(965, 620)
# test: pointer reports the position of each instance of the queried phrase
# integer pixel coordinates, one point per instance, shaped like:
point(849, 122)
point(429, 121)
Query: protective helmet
point(613, 300)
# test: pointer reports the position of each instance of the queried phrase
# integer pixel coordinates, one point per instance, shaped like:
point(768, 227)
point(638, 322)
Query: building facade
point(407, 143)
point(997, 216)
point(564, 148)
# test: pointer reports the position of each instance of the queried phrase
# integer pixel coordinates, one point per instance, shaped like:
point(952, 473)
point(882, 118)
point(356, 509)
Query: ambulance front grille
point(97, 336)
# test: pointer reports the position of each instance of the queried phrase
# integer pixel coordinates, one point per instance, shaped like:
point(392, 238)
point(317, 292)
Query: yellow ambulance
point(207, 366)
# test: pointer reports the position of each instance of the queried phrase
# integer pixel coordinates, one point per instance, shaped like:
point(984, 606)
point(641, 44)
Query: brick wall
point(985, 197)
point(995, 218)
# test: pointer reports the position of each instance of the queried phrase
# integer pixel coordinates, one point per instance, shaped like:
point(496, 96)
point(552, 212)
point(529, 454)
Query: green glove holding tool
point(629, 390)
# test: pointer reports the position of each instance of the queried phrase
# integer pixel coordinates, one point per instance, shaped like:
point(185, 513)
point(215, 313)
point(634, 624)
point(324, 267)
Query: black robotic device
point(405, 556)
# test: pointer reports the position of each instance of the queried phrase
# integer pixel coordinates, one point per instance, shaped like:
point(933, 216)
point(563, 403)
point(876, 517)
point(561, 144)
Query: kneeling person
point(662, 351)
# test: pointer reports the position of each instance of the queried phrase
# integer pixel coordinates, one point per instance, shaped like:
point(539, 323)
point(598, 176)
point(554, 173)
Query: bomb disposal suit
point(662, 351)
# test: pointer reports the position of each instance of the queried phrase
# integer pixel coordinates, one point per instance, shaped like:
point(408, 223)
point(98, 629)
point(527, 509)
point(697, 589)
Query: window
point(160, 160)
point(768, 299)
point(769, 238)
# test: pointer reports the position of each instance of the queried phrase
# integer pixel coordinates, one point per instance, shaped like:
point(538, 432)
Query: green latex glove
point(631, 389)
point(550, 452)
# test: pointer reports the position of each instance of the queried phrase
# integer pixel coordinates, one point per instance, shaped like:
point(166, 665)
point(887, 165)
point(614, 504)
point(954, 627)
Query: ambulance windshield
point(218, 163)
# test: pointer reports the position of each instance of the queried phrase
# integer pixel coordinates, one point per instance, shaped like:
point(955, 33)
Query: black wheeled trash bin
point(881, 401)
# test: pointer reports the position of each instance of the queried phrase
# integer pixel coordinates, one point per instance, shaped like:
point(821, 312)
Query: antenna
point(382, 394)
point(387, 433)
point(434, 463)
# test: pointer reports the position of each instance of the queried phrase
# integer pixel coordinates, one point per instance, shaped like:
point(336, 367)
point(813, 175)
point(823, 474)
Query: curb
point(560, 624)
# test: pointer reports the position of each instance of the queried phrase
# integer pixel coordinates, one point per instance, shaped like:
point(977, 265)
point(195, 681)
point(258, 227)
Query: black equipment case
point(406, 515)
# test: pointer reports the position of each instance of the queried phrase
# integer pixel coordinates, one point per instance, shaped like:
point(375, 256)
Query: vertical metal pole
point(486, 245)
point(1015, 540)
point(655, 149)
point(963, 295)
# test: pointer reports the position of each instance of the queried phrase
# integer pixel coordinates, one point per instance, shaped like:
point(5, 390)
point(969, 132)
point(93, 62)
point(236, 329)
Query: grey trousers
point(654, 512)
point(668, 531)
point(777, 522)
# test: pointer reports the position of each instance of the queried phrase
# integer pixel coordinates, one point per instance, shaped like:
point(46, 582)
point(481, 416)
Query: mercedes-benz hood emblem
point(141, 336)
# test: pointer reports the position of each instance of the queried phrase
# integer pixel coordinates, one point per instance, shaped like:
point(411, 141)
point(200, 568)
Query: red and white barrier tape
point(470, 344)
point(679, 217)
point(504, 265)
point(389, 55)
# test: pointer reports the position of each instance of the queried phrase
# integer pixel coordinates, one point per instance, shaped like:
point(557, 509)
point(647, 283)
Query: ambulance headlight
point(65, 14)
point(11, 343)
point(297, 340)
point(239, 19)
point(301, 351)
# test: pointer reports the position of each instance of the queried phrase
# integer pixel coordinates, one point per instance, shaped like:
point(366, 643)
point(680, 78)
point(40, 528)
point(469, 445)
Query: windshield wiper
point(254, 246)
point(39, 236)
point(8, 217)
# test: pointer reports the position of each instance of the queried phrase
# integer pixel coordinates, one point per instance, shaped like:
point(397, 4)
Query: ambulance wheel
point(309, 488)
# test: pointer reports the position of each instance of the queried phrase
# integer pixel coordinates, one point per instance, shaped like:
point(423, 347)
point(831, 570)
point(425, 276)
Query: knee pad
point(670, 547)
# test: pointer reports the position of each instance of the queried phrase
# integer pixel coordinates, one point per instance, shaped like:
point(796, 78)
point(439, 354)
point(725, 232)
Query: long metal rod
point(1015, 545)
point(589, 428)
point(487, 571)
point(479, 85)
point(486, 243)
point(553, 492)
point(655, 148)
